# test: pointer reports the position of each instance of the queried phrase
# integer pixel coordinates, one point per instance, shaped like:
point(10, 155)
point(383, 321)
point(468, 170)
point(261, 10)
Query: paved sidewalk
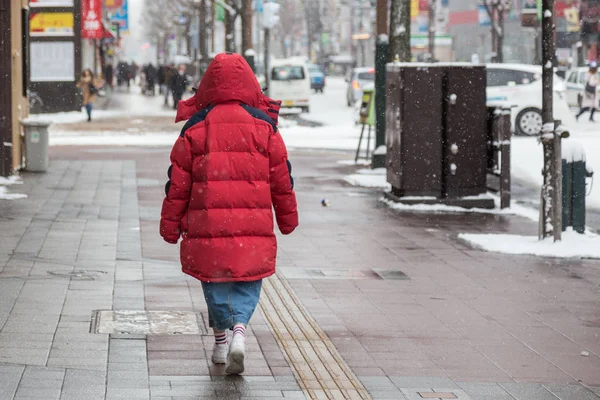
point(390, 298)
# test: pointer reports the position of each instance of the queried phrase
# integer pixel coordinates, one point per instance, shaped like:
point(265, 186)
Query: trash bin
point(36, 145)
point(574, 177)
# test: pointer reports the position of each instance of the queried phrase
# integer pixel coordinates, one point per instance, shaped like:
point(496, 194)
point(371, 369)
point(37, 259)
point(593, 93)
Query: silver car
point(358, 78)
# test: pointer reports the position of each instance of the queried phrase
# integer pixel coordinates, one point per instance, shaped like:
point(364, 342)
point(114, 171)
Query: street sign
point(91, 19)
point(121, 17)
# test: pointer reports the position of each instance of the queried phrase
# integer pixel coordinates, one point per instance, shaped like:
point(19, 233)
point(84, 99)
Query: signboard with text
point(120, 16)
point(51, 3)
point(91, 19)
point(51, 23)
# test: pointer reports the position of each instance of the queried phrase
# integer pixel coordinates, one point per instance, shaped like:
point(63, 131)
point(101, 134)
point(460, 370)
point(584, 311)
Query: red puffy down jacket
point(229, 170)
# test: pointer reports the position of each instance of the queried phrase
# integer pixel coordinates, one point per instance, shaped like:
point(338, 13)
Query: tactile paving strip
point(318, 367)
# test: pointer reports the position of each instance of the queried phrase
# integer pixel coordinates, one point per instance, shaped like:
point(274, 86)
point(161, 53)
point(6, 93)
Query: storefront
point(55, 53)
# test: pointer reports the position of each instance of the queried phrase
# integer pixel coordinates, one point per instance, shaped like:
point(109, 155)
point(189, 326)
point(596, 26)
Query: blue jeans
point(231, 303)
point(88, 109)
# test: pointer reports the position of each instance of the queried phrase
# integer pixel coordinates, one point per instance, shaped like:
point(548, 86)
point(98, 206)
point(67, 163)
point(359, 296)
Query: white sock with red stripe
point(239, 330)
point(220, 337)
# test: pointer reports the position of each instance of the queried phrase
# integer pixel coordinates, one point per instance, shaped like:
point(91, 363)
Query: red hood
point(228, 78)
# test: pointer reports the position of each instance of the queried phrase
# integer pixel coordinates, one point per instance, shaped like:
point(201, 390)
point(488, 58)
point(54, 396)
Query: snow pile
point(527, 157)
point(370, 178)
point(573, 244)
point(4, 195)
point(515, 209)
point(11, 180)
point(352, 162)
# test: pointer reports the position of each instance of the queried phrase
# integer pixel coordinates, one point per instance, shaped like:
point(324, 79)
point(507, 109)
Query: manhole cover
point(137, 322)
point(392, 274)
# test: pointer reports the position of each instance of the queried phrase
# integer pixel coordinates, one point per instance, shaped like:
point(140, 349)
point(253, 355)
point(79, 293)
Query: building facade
point(13, 63)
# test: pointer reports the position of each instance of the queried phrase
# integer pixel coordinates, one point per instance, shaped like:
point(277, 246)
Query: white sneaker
point(219, 355)
point(237, 353)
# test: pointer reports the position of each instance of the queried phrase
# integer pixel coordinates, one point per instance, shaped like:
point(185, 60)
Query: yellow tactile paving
point(318, 367)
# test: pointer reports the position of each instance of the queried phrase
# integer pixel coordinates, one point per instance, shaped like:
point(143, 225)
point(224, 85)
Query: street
point(367, 303)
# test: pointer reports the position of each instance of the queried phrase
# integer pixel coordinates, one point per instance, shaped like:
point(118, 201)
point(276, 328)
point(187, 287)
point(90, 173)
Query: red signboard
point(91, 19)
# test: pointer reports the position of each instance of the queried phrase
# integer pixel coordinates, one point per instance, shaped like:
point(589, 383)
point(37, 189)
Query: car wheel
point(529, 122)
point(306, 110)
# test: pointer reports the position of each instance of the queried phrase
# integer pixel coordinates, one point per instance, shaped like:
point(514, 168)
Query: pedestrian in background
point(179, 84)
point(229, 169)
point(109, 74)
point(160, 78)
point(169, 74)
point(590, 97)
point(89, 90)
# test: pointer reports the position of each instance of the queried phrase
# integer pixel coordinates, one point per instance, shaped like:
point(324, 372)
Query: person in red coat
point(229, 170)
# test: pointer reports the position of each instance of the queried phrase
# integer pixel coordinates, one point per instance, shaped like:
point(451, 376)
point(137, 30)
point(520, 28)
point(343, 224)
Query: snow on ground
point(11, 180)
point(515, 209)
point(572, 245)
point(4, 192)
point(74, 117)
point(5, 195)
point(111, 138)
point(527, 157)
point(337, 137)
point(370, 178)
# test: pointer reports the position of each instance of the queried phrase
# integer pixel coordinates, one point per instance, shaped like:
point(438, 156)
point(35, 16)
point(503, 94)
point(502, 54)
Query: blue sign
point(258, 6)
point(121, 16)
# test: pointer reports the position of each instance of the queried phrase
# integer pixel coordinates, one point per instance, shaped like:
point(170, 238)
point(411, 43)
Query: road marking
point(318, 367)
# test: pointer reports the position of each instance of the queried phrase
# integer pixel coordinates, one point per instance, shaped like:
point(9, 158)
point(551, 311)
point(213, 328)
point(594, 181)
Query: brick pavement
point(460, 322)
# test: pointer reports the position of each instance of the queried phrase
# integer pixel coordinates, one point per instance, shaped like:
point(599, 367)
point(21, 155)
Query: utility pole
point(246, 25)
point(399, 32)
point(431, 33)
point(382, 46)
point(551, 197)
point(202, 33)
point(270, 19)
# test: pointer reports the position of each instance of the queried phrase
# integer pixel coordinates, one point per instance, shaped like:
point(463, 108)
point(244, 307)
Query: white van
point(290, 83)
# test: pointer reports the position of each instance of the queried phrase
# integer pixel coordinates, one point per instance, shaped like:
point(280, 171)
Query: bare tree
point(291, 17)
point(246, 25)
point(400, 30)
point(496, 10)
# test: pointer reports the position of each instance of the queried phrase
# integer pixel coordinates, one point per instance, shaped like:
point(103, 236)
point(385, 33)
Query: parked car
point(290, 82)
point(357, 79)
point(317, 78)
point(521, 85)
point(576, 85)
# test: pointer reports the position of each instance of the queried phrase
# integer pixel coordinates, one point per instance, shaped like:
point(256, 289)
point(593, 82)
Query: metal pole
point(267, 59)
point(551, 214)
point(381, 57)
point(431, 33)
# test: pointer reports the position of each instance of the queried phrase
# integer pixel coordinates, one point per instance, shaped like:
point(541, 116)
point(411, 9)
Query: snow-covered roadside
point(527, 157)
point(376, 178)
point(10, 181)
point(74, 117)
point(573, 244)
point(370, 178)
point(111, 138)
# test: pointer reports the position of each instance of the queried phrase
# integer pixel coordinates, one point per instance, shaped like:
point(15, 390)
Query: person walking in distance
point(169, 74)
point(590, 97)
point(179, 83)
point(88, 90)
point(229, 169)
